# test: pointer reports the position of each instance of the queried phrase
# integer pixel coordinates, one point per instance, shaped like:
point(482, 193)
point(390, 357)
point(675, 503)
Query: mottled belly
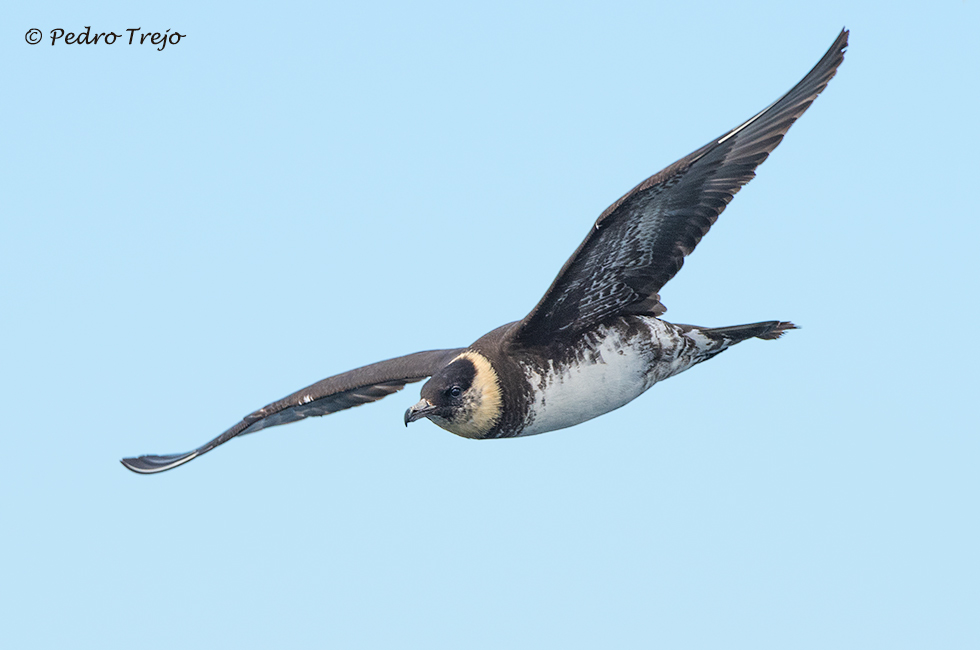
point(614, 366)
point(605, 377)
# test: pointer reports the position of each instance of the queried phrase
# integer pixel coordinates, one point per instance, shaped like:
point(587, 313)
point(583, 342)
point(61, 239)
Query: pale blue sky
point(297, 189)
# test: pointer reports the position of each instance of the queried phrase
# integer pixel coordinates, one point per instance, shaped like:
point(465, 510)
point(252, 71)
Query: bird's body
point(595, 341)
point(610, 367)
point(572, 380)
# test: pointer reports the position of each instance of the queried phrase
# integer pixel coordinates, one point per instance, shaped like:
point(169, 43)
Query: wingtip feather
point(154, 464)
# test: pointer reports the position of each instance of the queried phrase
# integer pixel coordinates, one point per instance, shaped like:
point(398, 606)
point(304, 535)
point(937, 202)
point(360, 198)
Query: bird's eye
point(455, 391)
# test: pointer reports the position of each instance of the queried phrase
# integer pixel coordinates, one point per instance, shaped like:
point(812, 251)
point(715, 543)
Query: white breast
point(620, 370)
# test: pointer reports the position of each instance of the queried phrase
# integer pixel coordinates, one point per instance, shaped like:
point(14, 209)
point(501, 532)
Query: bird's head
point(464, 397)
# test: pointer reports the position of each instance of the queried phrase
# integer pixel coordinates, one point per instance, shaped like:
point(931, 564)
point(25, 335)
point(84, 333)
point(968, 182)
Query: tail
point(768, 330)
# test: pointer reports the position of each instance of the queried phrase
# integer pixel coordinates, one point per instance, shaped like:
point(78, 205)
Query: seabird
point(595, 341)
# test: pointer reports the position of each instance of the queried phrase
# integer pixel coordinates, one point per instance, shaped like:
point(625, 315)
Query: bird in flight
point(595, 341)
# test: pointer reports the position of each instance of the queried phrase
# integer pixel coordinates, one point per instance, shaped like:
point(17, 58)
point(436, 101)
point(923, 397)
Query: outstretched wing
point(640, 241)
point(343, 391)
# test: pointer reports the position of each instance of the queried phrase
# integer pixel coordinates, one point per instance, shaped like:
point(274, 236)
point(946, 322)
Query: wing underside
point(337, 393)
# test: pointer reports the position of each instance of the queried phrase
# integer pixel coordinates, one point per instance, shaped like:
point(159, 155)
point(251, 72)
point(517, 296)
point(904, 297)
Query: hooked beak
point(423, 409)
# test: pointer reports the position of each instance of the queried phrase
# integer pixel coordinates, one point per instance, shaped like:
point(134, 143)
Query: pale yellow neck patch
point(484, 401)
